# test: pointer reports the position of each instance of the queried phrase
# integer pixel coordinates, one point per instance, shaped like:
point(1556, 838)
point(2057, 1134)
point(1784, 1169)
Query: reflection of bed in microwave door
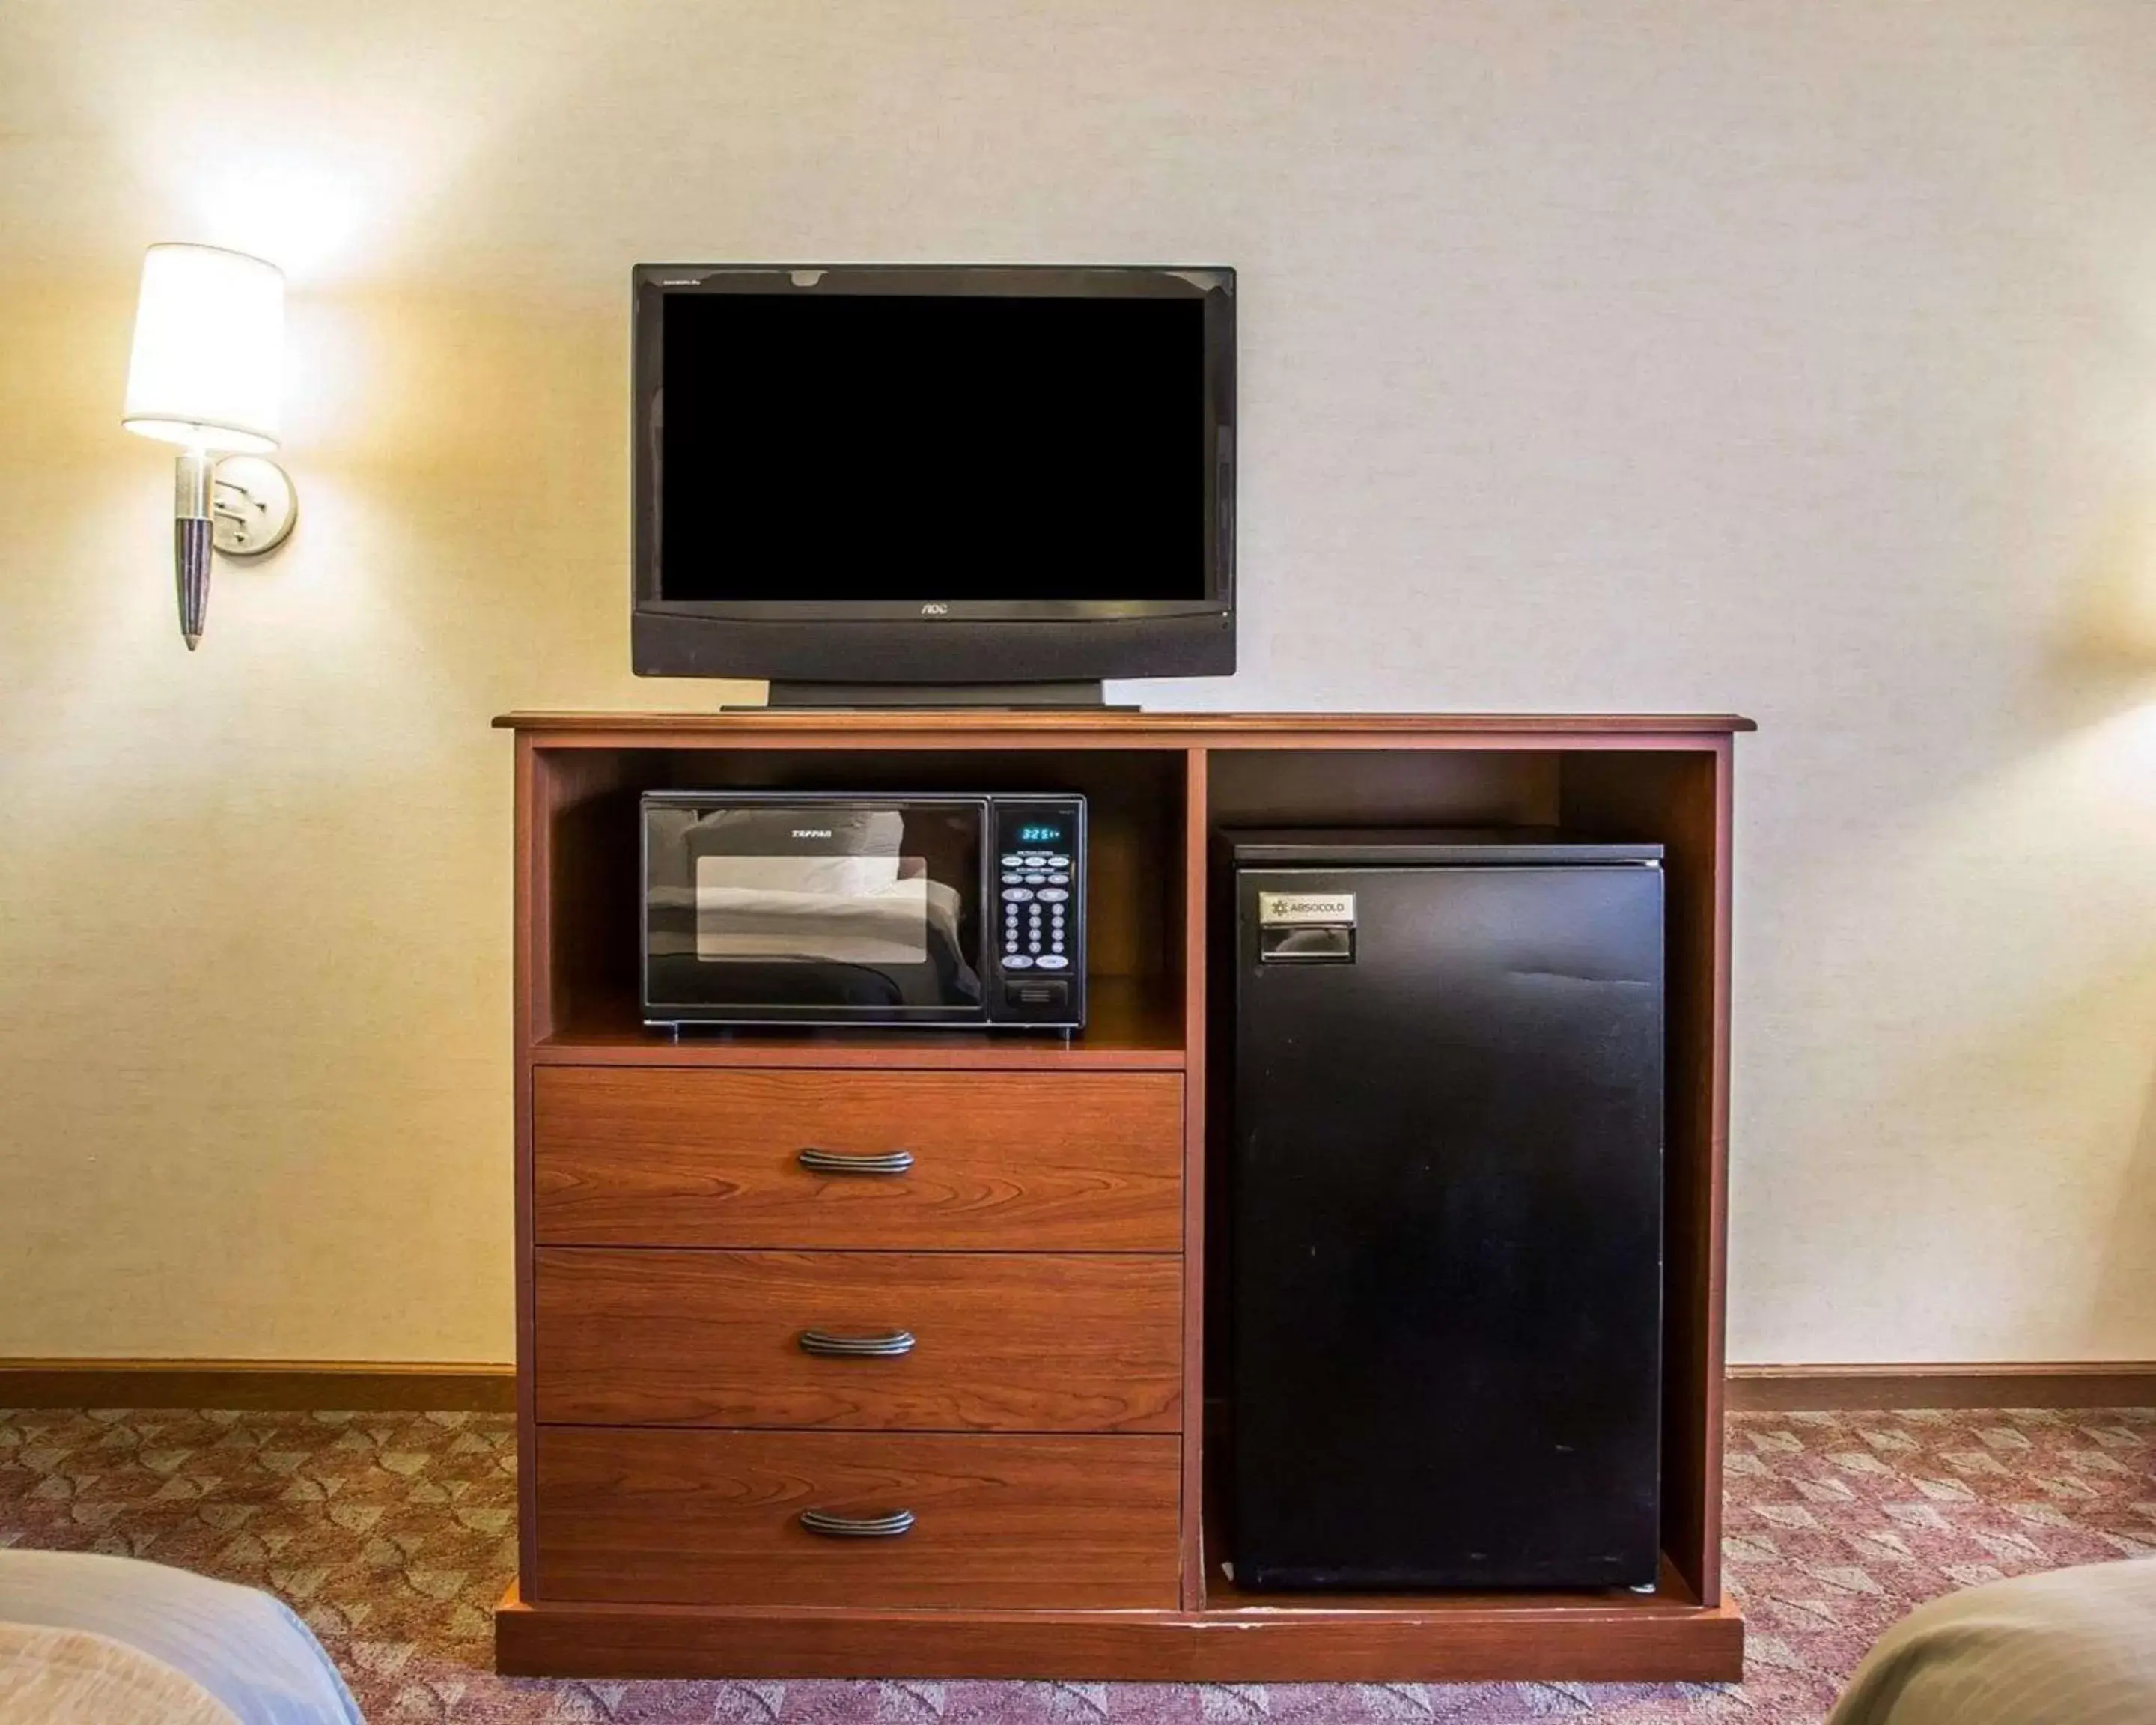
point(739, 916)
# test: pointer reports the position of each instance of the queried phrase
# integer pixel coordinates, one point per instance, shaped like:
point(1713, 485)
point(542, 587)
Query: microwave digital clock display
point(1040, 832)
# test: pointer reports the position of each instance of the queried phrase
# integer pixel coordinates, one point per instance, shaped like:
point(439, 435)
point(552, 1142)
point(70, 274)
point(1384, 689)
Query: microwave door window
point(770, 907)
point(842, 905)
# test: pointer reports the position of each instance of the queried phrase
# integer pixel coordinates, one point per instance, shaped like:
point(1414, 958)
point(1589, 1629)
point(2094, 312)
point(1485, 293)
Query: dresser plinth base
point(1584, 1640)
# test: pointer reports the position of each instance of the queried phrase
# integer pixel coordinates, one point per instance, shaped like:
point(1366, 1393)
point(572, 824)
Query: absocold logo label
point(1278, 909)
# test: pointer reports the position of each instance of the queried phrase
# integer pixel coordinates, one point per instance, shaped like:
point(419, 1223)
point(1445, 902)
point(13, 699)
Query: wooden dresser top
point(1140, 728)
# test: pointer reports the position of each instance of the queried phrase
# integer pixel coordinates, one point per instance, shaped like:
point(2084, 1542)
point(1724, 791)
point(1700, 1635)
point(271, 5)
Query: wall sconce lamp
point(208, 373)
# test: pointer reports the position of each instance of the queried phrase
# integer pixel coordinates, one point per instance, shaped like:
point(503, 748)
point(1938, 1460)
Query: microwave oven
point(777, 908)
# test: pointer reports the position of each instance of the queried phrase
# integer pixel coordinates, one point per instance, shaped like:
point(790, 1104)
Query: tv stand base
point(1083, 694)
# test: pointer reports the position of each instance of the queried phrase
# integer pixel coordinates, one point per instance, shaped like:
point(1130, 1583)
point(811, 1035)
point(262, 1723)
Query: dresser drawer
point(714, 1517)
point(1031, 1161)
point(992, 1341)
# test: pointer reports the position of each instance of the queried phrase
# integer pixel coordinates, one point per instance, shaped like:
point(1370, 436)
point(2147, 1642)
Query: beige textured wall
point(1794, 358)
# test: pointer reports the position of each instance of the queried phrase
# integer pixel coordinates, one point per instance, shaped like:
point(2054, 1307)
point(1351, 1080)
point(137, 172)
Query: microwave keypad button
point(1012, 879)
point(1013, 861)
point(1035, 880)
point(1017, 961)
point(1053, 961)
point(1059, 862)
point(1059, 880)
point(1016, 895)
point(1050, 894)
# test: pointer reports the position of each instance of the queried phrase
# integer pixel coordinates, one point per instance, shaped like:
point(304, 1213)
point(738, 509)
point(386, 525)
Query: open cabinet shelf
point(1133, 1022)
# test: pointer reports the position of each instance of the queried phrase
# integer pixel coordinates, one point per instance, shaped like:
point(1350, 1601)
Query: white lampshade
point(208, 366)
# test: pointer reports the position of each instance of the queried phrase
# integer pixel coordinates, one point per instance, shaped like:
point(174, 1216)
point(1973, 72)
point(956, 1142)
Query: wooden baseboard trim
point(277, 1385)
point(1795, 1390)
point(302, 1385)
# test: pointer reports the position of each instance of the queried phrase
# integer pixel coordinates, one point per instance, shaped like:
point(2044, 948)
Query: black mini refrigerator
point(1446, 1211)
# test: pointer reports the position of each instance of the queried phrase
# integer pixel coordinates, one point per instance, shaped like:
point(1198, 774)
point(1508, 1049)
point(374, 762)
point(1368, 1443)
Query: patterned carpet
point(392, 1535)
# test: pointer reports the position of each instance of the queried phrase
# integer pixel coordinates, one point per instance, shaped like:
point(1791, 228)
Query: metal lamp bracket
point(253, 506)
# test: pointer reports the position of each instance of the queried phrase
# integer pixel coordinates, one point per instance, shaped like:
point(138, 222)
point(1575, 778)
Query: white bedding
point(246, 1649)
point(2068, 1647)
point(60, 1676)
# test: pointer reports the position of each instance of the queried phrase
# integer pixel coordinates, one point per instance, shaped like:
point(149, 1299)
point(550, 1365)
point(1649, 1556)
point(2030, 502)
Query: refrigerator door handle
point(1311, 943)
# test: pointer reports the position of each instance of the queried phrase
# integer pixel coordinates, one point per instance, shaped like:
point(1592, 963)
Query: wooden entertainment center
point(1052, 1432)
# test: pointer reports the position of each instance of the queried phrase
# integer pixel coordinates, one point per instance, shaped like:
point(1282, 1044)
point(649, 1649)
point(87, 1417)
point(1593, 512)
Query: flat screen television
point(869, 483)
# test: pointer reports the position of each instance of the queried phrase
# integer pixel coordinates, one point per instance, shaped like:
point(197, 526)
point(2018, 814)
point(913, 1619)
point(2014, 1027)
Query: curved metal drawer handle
point(834, 1526)
point(888, 1346)
point(839, 1162)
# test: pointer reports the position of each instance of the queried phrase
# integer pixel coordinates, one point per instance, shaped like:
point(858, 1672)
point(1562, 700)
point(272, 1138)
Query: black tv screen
point(886, 447)
point(931, 474)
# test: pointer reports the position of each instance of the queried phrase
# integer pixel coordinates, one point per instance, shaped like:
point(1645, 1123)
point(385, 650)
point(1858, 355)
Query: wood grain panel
point(1002, 1341)
point(1132, 1024)
point(1381, 787)
point(1038, 1162)
point(1682, 799)
point(1066, 727)
point(1198, 1087)
point(295, 1385)
point(2020, 1383)
point(1551, 1638)
point(1052, 1555)
point(713, 1517)
point(1582, 1640)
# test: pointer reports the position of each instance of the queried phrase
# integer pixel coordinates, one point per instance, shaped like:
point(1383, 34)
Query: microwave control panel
point(1039, 869)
